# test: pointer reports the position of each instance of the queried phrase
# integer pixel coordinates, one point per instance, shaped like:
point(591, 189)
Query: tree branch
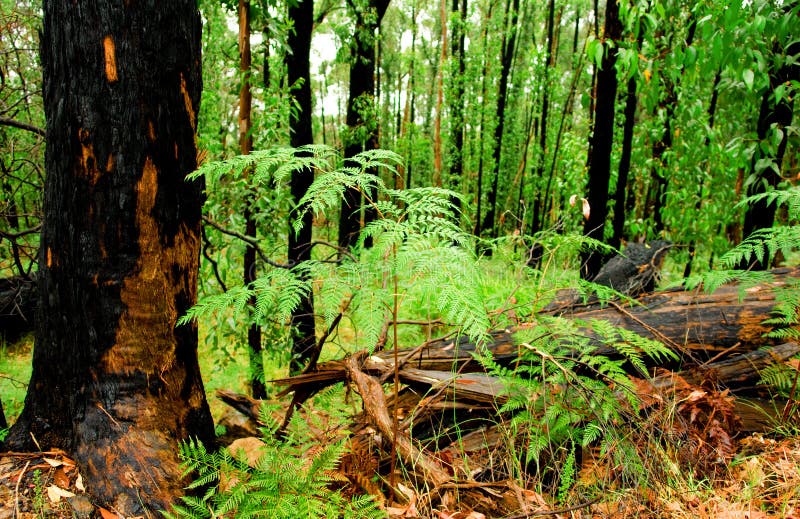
point(249, 240)
point(4, 121)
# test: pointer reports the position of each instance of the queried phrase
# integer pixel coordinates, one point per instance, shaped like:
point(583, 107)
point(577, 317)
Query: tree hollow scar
point(111, 59)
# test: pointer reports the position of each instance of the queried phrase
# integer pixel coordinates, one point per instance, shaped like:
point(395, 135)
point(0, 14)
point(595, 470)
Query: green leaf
point(748, 77)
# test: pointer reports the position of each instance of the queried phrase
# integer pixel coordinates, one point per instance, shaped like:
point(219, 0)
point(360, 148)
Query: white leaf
point(55, 493)
point(586, 209)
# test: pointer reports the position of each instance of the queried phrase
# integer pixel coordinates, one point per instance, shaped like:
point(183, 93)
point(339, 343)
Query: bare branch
point(4, 121)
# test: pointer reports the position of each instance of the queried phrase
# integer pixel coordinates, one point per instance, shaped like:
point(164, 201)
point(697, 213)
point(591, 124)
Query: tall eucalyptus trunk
point(360, 120)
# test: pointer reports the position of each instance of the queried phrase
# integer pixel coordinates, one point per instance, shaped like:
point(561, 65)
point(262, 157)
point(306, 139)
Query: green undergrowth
point(15, 372)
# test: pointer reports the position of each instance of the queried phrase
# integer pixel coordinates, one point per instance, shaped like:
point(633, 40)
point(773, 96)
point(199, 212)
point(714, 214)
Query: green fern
point(283, 483)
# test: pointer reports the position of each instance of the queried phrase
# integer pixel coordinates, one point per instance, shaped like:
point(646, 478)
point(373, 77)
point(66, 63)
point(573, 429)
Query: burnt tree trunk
point(360, 119)
point(765, 166)
point(114, 381)
point(459, 10)
point(703, 329)
point(299, 75)
point(540, 202)
point(601, 140)
point(509, 39)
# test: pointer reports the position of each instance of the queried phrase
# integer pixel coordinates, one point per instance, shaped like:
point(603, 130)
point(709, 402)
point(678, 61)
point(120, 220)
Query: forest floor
point(760, 477)
point(762, 481)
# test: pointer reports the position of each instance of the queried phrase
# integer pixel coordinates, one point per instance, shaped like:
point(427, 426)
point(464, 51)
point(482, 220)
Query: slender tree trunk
point(299, 75)
point(712, 110)
point(484, 73)
point(115, 382)
point(540, 202)
point(601, 140)
point(772, 117)
point(245, 147)
point(512, 11)
point(459, 9)
point(659, 172)
point(411, 98)
point(437, 122)
point(360, 108)
point(620, 192)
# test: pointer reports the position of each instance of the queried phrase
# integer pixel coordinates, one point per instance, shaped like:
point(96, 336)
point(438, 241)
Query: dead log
point(698, 326)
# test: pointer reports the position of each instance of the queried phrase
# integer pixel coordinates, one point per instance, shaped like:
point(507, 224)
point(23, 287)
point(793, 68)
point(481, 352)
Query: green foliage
point(420, 264)
point(567, 391)
point(290, 479)
point(765, 243)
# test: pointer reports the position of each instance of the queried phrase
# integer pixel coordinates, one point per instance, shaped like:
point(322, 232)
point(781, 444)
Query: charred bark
point(509, 39)
point(18, 300)
point(765, 166)
point(299, 73)
point(114, 381)
point(361, 123)
point(601, 141)
point(698, 326)
point(245, 147)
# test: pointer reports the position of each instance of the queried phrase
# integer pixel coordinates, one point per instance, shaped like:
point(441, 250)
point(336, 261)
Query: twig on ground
point(16, 489)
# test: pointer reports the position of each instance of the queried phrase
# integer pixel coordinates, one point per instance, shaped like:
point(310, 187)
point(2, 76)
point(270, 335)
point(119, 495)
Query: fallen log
point(698, 326)
point(374, 400)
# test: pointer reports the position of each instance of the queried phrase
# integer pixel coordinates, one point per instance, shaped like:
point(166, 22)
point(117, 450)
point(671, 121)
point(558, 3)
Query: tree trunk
point(298, 69)
point(600, 142)
point(540, 203)
point(437, 121)
point(702, 328)
point(765, 166)
point(360, 118)
point(624, 163)
point(712, 110)
point(482, 125)
point(245, 147)
point(509, 39)
point(459, 9)
point(660, 173)
point(114, 381)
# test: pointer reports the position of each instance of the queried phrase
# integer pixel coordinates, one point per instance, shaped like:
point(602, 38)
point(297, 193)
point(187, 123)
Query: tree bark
point(299, 72)
point(114, 381)
point(540, 202)
point(245, 147)
point(360, 118)
point(773, 116)
point(698, 326)
point(509, 39)
point(458, 37)
point(600, 142)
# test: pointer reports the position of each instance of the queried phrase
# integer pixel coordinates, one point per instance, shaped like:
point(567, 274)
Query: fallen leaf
point(108, 515)
point(55, 493)
point(60, 478)
point(79, 484)
point(53, 462)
